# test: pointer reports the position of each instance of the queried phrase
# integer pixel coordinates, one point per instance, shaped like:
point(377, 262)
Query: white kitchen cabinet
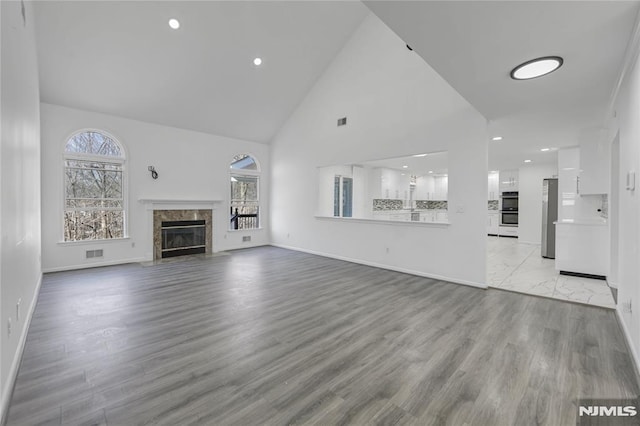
point(582, 247)
point(508, 231)
point(568, 170)
point(425, 187)
point(594, 168)
point(441, 188)
point(493, 186)
point(508, 180)
point(493, 222)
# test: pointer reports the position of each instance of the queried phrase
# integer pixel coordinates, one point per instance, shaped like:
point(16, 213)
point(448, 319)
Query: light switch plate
point(631, 180)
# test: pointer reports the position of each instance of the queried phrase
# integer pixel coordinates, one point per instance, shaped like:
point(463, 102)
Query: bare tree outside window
point(94, 188)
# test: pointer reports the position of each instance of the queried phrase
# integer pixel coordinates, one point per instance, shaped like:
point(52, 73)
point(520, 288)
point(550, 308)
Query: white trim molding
point(178, 204)
point(7, 392)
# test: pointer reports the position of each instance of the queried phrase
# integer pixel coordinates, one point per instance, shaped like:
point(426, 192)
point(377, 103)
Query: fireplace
point(181, 232)
point(182, 237)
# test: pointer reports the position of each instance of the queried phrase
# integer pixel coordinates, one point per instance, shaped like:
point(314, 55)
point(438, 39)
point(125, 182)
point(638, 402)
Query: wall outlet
point(133, 244)
point(627, 308)
point(9, 327)
point(18, 309)
point(387, 250)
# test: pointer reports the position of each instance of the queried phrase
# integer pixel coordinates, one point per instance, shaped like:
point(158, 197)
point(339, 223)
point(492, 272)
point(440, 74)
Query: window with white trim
point(245, 201)
point(94, 202)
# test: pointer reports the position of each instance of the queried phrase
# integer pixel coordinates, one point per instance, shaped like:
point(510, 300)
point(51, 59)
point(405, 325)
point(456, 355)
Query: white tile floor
point(519, 267)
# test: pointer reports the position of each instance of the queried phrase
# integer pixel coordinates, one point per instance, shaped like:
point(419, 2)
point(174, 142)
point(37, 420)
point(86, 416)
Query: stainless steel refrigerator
point(549, 215)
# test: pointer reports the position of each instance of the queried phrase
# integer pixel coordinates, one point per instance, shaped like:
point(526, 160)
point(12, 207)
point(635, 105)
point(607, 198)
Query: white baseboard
point(95, 264)
point(383, 266)
point(629, 341)
point(7, 392)
point(534, 243)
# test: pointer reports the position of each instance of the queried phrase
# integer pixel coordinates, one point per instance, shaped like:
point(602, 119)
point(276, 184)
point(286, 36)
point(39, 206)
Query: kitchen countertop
point(584, 222)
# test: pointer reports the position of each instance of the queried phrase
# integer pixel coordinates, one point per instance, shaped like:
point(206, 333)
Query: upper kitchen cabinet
point(493, 186)
point(441, 188)
point(594, 168)
point(425, 188)
point(508, 180)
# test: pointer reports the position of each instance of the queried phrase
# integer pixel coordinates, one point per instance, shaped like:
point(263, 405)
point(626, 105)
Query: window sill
point(383, 221)
point(89, 242)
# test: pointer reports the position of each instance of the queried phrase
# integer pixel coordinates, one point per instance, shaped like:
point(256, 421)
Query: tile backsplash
point(384, 204)
point(431, 204)
point(492, 204)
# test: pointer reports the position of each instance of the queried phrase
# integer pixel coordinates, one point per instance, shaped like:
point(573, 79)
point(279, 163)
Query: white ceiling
point(122, 58)
point(475, 44)
point(436, 162)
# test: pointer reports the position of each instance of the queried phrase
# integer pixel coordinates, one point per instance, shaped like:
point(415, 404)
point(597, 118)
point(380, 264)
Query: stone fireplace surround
point(160, 209)
point(160, 216)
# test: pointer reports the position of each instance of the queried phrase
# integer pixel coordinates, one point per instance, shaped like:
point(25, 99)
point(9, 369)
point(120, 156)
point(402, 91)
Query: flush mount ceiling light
point(174, 23)
point(405, 167)
point(430, 171)
point(527, 161)
point(257, 62)
point(536, 67)
point(496, 138)
point(420, 155)
point(545, 149)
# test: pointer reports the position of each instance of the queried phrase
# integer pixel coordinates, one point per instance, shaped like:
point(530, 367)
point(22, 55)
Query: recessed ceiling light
point(430, 171)
point(420, 155)
point(405, 167)
point(536, 67)
point(545, 149)
point(174, 23)
point(257, 61)
point(527, 161)
point(496, 138)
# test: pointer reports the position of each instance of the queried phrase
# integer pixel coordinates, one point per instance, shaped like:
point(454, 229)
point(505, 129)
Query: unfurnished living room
point(319, 212)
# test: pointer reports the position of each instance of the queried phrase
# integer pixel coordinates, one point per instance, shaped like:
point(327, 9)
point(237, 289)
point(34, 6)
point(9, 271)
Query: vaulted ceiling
point(122, 58)
point(474, 45)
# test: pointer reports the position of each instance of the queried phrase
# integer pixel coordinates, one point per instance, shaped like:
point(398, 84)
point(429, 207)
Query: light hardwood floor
point(271, 336)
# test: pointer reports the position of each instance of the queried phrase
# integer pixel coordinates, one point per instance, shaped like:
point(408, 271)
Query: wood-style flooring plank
point(277, 337)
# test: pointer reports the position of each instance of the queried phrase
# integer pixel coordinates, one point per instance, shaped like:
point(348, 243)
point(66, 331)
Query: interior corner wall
point(627, 106)
point(191, 166)
point(20, 271)
point(530, 199)
point(396, 105)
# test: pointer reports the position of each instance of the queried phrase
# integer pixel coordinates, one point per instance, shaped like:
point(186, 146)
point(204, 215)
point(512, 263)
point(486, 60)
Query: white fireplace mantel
point(177, 204)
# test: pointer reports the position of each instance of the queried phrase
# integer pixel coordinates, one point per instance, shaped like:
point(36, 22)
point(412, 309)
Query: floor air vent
point(94, 253)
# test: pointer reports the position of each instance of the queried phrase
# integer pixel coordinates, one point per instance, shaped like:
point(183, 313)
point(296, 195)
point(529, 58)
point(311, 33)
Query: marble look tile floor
point(519, 267)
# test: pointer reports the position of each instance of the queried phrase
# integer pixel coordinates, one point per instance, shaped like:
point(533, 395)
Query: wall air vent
point(94, 253)
point(342, 121)
point(246, 238)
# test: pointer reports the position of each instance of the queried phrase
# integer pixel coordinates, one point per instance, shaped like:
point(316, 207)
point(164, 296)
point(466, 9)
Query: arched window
point(94, 207)
point(245, 201)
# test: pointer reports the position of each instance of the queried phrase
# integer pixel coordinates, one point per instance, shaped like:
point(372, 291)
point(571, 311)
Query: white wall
point(20, 271)
point(191, 165)
point(396, 106)
point(530, 200)
point(628, 111)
